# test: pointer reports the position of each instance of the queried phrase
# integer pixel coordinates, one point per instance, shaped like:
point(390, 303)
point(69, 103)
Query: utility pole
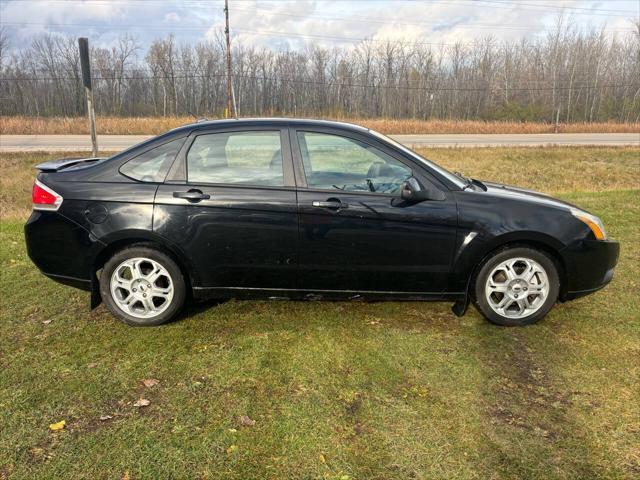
point(83, 46)
point(231, 101)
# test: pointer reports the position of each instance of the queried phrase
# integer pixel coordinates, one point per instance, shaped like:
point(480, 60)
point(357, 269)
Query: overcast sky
point(288, 24)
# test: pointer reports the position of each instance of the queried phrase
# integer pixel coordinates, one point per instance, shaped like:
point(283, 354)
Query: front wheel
point(517, 286)
point(142, 286)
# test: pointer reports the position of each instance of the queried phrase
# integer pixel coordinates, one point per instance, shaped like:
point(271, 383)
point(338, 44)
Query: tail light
point(44, 198)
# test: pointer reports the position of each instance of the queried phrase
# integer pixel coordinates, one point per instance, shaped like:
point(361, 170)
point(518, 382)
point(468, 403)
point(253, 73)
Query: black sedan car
point(304, 209)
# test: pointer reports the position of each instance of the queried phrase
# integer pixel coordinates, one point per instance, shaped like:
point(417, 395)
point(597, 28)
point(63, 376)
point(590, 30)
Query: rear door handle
point(193, 195)
point(330, 204)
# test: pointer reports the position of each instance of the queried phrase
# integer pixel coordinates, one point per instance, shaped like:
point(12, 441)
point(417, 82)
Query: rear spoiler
point(57, 165)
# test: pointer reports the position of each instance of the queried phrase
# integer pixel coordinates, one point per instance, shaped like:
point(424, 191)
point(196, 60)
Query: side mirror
point(412, 191)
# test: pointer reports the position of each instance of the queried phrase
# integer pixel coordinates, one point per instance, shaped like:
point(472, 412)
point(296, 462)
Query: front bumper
point(590, 265)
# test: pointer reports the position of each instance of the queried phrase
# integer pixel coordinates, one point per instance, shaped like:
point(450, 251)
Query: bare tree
point(584, 75)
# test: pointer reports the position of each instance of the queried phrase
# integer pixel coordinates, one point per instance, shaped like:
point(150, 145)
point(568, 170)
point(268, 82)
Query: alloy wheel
point(517, 287)
point(141, 287)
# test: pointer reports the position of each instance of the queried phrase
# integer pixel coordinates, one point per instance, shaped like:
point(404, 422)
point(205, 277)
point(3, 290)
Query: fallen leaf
point(46, 322)
point(322, 459)
point(92, 365)
point(143, 402)
point(232, 430)
point(245, 421)
point(104, 418)
point(54, 427)
point(37, 452)
point(232, 448)
point(150, 382)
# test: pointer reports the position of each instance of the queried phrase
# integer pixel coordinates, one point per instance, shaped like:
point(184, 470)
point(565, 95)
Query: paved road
point(20, 143)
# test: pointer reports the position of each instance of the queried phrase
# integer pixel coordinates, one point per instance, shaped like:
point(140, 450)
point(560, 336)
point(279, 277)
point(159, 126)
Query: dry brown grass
point(157, 125)
point(391, 126)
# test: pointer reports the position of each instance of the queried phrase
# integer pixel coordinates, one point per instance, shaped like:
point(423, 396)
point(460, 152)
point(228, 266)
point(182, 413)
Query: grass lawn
point(336, 390)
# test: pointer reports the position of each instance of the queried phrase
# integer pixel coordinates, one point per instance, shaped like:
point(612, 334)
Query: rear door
point(356, 233)
point(230, 204)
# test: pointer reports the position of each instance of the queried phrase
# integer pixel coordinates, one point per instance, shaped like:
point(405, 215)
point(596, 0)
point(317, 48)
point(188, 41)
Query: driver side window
point(335, 162)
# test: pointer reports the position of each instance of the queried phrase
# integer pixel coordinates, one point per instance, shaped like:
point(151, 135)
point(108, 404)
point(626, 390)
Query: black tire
point(478, 289)
point(179, 286)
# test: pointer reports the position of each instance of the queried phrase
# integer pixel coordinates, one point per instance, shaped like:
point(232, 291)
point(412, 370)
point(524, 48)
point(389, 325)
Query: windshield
point(456, 180)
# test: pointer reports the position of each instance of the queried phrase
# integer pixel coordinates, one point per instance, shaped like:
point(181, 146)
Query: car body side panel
point(240, 237)
point(489, 221)
point(378, 243)
point(93, 214)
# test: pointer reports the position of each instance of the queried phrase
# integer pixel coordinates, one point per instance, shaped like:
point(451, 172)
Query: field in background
point(157, 125)
point(338, 391)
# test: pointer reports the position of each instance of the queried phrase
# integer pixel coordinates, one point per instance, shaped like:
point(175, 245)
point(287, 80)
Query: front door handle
point(193, 195)
point(330, 204)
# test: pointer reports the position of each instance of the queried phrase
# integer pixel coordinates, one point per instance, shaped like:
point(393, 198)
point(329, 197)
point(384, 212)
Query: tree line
point(568, 75)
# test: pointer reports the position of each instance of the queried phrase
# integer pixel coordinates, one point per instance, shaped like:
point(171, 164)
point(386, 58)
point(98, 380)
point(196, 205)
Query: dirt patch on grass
point(529, 388)
point(527, 402)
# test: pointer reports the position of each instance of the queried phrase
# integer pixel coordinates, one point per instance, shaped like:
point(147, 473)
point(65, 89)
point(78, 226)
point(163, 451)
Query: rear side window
point(153, 165)
point(241, 158)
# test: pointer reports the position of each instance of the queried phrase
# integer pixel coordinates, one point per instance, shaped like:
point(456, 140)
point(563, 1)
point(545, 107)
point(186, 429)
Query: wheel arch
point(541, 242)
point(122, 240)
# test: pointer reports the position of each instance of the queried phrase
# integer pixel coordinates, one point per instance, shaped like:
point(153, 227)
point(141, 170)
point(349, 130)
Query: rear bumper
point(590, 266)
point(80, 283)
point(60, 248)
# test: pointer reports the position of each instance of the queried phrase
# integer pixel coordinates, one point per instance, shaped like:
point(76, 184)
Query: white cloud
point(171, 17)
point(295, 25)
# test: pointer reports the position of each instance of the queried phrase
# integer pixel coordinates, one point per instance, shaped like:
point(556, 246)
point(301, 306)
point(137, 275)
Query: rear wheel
point(142, 286)
point(517, 286)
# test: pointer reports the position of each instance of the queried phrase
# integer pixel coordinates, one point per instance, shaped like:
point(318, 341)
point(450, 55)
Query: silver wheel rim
point(517, 288)
point(141, 287)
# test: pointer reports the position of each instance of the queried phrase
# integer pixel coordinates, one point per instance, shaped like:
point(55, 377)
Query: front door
point(234, 214)
point(356, 234)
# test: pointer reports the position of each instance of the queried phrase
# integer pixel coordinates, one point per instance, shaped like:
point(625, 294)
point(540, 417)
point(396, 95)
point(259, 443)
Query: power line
point(196, 28)
point(334, 84)
point(497, 4)
point(208, 4)
point(547, 6)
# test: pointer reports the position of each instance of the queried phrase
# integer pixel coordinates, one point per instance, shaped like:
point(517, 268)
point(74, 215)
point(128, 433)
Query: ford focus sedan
point(304, 209)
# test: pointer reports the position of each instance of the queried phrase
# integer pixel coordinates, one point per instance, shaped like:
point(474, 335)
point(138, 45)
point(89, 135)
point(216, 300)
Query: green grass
point(337, 390)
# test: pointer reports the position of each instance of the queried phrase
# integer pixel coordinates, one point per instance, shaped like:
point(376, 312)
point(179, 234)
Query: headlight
point(593, 222)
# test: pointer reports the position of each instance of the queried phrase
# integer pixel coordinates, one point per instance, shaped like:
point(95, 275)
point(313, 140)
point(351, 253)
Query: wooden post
point(231, 100)
point(83, 45)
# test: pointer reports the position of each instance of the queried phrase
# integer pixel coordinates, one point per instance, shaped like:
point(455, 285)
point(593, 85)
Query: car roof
point(206, 124)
